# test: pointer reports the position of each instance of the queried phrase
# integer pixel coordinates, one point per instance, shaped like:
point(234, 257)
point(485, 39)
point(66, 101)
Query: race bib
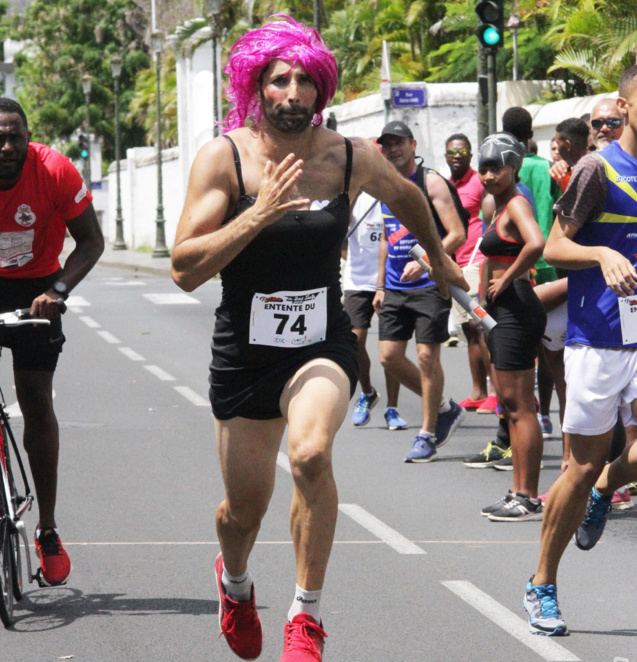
point(289, 319)
point(370, 234)
point(16, 248)
point(628, 318)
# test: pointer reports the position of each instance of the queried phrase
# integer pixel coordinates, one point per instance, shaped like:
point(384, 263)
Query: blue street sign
point(402, 96)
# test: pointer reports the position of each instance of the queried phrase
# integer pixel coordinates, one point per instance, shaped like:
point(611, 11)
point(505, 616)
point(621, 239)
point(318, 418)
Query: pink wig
point(279, 40)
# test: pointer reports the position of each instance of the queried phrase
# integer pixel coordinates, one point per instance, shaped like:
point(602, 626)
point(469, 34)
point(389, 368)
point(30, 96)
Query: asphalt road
point(416, 573)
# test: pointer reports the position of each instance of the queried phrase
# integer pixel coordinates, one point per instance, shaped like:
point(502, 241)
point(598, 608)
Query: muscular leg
point(393, 387)
point(622, 470)
point(41, 438)
point(364, 362)
point(394, 360)
point(247, 453)
point(478, 359)
point(566, 502)
point(515, 394)
point(433, 382)
point(311, 432)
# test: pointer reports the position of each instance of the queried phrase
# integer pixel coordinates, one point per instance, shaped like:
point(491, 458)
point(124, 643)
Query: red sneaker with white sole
point(55, 565)
point(239, 621)
point(303, 640)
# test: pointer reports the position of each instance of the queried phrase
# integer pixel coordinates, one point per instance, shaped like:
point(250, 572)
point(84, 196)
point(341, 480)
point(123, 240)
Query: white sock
point(238, 588)
point(431, 434)
point(308, 602)
point(445, 405)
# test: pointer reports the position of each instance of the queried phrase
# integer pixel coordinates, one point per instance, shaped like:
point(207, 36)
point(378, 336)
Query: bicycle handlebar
point(22, 316)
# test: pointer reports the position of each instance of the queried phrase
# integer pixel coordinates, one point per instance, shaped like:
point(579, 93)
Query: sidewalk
point(130, 259)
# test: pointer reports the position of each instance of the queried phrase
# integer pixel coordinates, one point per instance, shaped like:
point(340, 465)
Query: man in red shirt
point(467, 183)
point(41, 197)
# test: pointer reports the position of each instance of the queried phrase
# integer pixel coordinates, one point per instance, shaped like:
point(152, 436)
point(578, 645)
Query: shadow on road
point(52, 608)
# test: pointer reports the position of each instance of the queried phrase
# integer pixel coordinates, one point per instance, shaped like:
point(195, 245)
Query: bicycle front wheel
point(7, 561)
point(17, 565)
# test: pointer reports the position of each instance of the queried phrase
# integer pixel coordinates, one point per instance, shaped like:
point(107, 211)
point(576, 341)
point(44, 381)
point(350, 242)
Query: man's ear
point(622, 106)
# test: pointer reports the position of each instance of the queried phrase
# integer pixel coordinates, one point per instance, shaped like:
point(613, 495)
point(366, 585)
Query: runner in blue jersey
point(595, 237)
point(408, 300)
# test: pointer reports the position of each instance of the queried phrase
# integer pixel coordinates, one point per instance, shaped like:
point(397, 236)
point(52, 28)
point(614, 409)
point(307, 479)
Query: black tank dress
point(281, 307)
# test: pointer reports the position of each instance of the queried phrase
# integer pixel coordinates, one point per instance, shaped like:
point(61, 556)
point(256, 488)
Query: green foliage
point(143, 106)
point(64, 40)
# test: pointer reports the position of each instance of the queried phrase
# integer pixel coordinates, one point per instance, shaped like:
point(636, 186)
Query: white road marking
point(75, 301)
point(109, 337)
point(192, 396)
point(131, 354)
point(546, 647)
point(366, 520)
point(171, 298)
point(159, 373)
point(90, 322)
point(390, 536)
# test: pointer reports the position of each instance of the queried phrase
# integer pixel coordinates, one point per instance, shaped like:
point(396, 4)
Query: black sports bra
point(497, 247)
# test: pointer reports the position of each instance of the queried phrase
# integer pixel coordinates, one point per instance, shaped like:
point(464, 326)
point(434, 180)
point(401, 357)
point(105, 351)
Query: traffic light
point(491, 23)
point(83, 145)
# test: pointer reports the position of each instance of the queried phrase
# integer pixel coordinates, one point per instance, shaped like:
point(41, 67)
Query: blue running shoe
point(546, 426)
point(393, 420)
point(423, 449)
point(364, 405)
point(447, 423)
point(540, 603)
point(591, 529)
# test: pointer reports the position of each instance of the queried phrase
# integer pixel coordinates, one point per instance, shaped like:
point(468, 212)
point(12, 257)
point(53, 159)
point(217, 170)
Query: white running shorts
point(599, 382)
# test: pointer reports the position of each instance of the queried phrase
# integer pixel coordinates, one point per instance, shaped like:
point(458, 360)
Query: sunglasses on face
point(462, 151)
point(610, 122)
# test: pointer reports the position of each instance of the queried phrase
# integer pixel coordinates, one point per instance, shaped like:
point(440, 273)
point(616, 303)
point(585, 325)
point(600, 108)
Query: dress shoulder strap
point(348, 166)
point(237, 165)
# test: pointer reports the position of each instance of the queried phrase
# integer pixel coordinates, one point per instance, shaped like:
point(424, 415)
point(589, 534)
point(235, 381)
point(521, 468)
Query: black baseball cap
point(396, 128)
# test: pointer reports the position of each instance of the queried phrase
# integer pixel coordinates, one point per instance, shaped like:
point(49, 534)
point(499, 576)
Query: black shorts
point(521, 321)
point(33, 347)
point(423, 309)
point(358, 305)
point(254, 392)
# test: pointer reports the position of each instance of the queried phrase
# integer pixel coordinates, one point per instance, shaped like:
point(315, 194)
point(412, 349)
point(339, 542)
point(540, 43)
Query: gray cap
point(395, 128)
point(501, 149)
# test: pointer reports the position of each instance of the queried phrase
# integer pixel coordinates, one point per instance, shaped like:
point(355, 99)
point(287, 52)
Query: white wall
point(138, 175)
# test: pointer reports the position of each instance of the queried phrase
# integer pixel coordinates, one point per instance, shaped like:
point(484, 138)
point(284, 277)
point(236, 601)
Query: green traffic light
point(491, 36)
point(83, 153)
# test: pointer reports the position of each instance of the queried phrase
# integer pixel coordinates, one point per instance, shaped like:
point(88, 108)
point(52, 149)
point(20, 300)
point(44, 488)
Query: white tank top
point(361, 267)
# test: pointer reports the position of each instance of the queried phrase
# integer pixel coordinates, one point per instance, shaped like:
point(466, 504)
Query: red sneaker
point(468, 403)
point(239, 621)
point(55, 565)
point(303, 640)
point(488, 405)
point(622, 501)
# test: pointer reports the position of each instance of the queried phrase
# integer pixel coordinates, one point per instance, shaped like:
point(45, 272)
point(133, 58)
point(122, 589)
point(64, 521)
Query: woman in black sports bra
point(512, 243)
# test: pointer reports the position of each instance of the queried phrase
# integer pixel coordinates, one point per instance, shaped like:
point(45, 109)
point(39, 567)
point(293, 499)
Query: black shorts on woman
point(521, 321)
point(298, 253)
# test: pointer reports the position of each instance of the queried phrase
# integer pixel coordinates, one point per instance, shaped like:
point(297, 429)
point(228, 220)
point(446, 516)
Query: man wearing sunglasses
point(467, 183)
point(606, 122)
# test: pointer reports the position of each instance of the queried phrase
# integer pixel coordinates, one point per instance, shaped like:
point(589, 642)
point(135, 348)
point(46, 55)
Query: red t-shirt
point(470, 191)
point(49, 192)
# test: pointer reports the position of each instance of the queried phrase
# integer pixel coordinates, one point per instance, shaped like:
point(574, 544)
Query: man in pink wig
point(268, 207)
